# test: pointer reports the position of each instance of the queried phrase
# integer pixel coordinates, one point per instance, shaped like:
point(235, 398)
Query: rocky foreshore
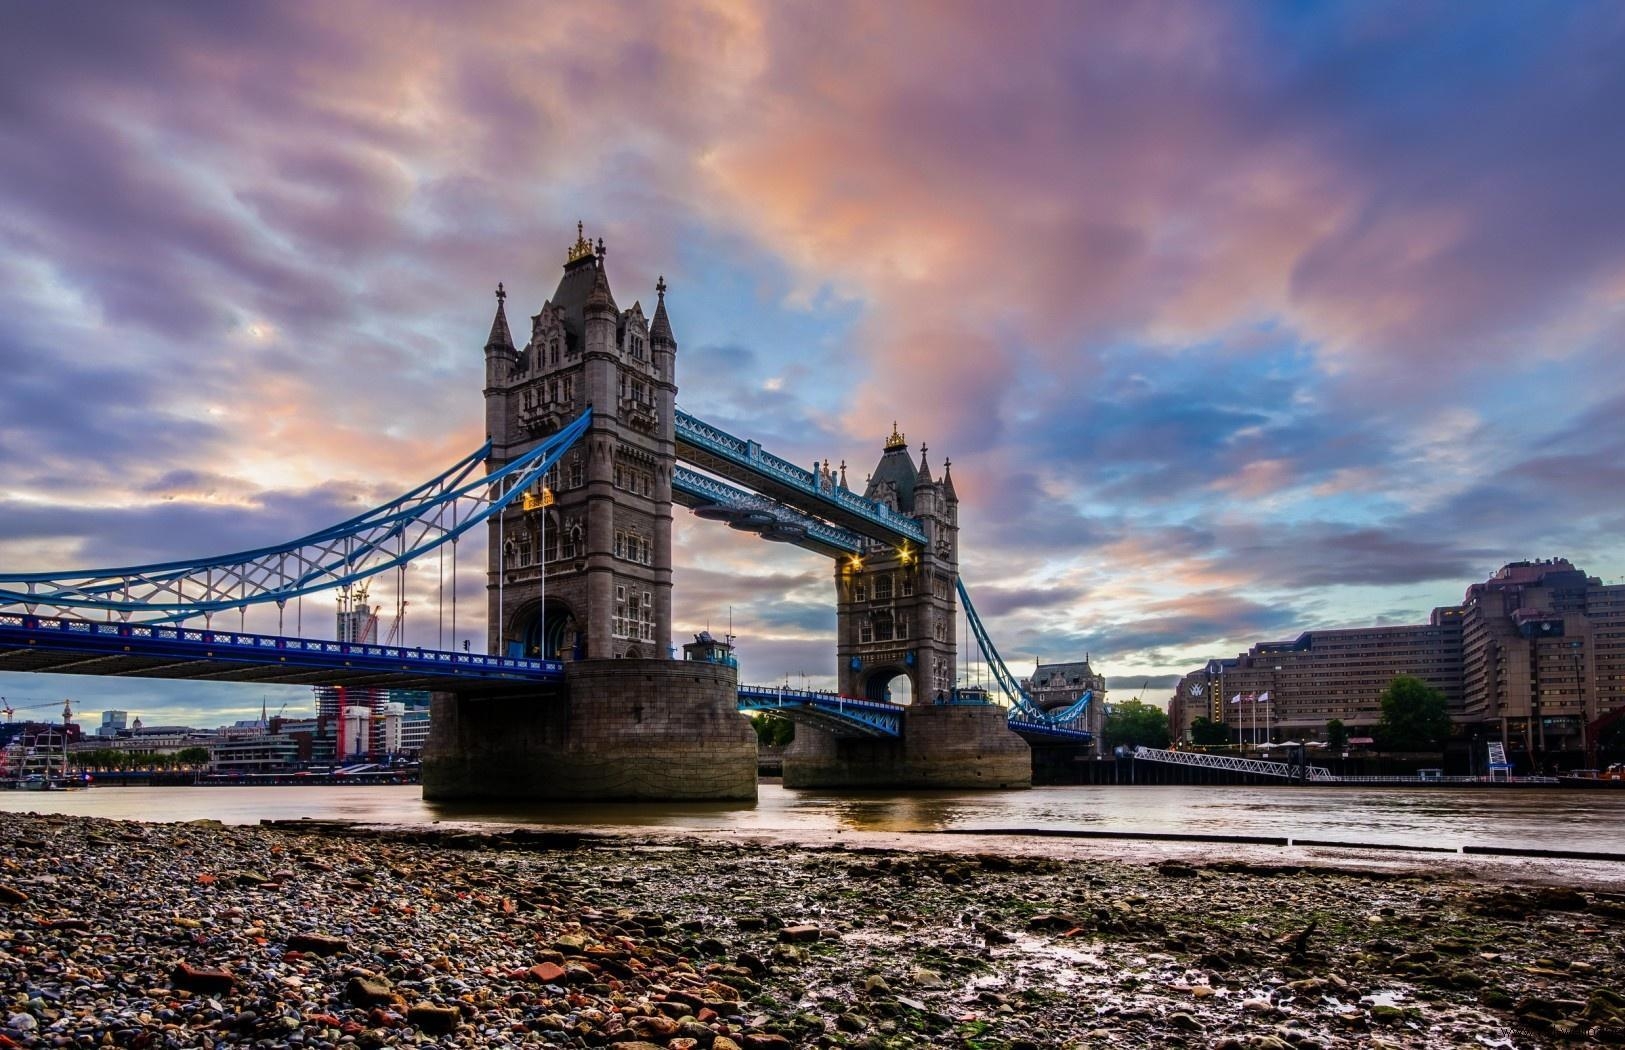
point(117, 934)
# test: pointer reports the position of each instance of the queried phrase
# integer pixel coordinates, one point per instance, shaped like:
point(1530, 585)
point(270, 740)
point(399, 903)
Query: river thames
point(1428, 818)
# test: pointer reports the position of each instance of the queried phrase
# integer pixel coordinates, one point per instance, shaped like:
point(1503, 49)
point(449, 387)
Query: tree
point(1135, 723)
point(1206, 731)
point(1414, 716)
point(1337, 734)
point(772, 730)
point(192, 756)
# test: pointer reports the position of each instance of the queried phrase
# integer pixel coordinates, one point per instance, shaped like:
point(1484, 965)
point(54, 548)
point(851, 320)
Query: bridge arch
point(547, 629)
point(889, 683)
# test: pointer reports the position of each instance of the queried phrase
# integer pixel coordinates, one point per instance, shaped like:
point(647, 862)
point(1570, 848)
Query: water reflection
point(1520, 818)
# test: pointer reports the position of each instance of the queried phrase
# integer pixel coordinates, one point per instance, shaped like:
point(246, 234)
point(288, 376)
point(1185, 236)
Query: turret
point(599, 313)
point(500, 356)
point(662, 343)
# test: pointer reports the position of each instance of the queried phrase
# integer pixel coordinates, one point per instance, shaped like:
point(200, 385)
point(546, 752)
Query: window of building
point(860, 592)
point(524, 549)
point(577, 470)
point(553, 351)
point(883, 587)
point(908, 585)
point(866, 631)
point(883, 628)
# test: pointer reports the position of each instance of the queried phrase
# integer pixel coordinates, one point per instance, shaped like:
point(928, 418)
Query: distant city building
point(113, 723)
point(1530, 658)
point(371, 722)
point(1058, 686)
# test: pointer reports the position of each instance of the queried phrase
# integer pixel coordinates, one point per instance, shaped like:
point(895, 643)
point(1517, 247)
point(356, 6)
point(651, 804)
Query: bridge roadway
point(57, 645)
point(745, 462)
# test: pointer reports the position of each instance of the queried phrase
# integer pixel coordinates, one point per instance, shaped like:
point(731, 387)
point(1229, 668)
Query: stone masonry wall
point(948, 746)
point(636, 730)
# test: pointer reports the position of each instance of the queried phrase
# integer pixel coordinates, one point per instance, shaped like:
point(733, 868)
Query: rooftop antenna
point(730, 638)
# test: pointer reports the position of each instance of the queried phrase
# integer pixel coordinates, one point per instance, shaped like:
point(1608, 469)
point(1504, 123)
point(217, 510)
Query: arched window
point(553, 351)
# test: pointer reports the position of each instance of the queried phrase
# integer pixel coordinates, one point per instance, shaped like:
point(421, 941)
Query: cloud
point(1314, 309)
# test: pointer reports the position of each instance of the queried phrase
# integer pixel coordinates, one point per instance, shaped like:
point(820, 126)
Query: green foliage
point(1414, 716)
point(192, 756)
point(772, 730)
point(1337, 734)
point(1206, 731)
point(1136, 724)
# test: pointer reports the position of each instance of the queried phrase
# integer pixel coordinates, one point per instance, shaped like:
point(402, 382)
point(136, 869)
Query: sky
point(1236, 320)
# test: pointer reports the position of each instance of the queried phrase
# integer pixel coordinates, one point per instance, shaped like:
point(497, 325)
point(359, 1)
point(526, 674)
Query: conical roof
point(501, 338)
point(948, 492)
point(660, 327)
point(896, 467)
point(923, 477)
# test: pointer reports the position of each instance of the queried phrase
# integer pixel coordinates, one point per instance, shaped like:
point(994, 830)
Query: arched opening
point(891, 685)
point(550, 632)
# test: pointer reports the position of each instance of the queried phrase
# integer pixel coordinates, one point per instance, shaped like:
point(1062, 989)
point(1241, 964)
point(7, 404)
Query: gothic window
point(577, 470)
point(637, 347)
point(883, 628)
point(550, 544)
point(620, 476)
point(640, 392)
point(883, 587)
point(908, 584)
point(902, 627)
point(522, 552)
point(866, 631)
point(553, 351)
point(570, 389)
point(574, 545)
point(620, 545)
point(510, 552)
point(623, 386)
point(939, 630)
point(553, 477)
point(860, 593)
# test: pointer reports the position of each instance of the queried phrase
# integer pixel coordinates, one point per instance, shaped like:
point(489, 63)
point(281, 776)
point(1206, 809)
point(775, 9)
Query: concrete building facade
point(1531, 657)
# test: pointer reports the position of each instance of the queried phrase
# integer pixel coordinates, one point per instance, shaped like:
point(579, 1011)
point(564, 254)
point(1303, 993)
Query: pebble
point(332, 938)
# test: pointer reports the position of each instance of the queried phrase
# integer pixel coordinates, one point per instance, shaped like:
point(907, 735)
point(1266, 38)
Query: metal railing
point(1260, 767)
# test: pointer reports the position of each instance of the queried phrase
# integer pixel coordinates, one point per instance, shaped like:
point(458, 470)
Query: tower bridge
point(577, 694)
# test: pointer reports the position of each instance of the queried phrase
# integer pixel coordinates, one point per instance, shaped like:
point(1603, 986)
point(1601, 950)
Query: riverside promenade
point(317, 934)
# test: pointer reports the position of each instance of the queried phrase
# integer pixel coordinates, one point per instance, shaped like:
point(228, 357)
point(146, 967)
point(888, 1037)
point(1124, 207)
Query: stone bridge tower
point(581, 568)
point(895, 608)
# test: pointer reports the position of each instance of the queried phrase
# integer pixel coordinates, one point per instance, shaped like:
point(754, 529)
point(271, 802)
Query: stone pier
point(950, 746)
point(627, 730)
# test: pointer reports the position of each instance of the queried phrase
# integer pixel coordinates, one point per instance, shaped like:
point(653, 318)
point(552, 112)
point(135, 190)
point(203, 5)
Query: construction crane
point(396, 627)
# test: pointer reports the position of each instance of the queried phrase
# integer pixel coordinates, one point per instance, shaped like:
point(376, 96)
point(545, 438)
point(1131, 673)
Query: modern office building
point(1531, 657)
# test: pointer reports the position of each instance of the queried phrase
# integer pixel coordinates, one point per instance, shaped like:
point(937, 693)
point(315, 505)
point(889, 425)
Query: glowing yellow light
point(855, 565)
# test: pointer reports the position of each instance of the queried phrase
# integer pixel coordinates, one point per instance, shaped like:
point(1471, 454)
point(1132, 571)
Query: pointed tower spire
point(948, 492)
point(501, 338)
point(925, 471)
point(660, 327)
point(600, 296)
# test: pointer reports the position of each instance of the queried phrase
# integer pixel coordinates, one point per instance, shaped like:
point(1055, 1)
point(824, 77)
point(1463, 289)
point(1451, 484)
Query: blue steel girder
point(747, 463)
point(842, 715)
point(59, 645)
point(699, 492)
point(1044, 733)
point(435, 513)
point(1023, 708)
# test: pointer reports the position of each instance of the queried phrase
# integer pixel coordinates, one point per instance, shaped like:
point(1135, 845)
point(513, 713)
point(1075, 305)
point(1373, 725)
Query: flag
point(1264, 697)
point(1236, 699)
